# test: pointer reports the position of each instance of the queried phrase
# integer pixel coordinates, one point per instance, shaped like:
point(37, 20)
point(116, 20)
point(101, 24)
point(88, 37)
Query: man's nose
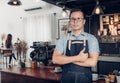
point(75, 20)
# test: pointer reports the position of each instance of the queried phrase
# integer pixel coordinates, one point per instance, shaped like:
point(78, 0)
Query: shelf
point(110, 24)
point(109, 39)
point(109, 58)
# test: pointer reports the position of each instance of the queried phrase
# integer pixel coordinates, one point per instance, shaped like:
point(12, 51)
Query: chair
point(6, 53)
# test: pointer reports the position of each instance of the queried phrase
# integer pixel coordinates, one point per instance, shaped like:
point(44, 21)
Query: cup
point(57, 69)
point(112, 78)
point(107, 79)
point(34, 64)
point(118, 79)
point(94, 77)
point(28, 64)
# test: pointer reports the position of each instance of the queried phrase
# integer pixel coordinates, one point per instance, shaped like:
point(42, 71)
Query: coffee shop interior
point(36, 26)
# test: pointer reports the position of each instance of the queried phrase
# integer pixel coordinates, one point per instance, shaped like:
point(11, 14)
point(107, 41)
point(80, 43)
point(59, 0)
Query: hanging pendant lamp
point(15, 2)
point(97, 9)
point(64, 12)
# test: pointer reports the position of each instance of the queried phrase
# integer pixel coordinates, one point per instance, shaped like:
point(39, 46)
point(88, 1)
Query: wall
point(11, 20)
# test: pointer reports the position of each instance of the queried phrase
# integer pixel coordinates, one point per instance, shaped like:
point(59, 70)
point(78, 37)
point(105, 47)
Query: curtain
point(38, 28)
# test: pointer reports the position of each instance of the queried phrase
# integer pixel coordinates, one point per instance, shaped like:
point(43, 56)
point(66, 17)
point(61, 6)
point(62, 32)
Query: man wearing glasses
point(76, 51)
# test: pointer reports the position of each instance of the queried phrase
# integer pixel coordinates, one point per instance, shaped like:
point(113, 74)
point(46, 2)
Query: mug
point(58, 69)
point(112, 78)
point(34, 64)
point(94, 76)
point(118, 79)
point(107, 79)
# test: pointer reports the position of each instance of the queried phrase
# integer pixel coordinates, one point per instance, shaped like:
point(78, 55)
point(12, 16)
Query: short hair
point(76, 10)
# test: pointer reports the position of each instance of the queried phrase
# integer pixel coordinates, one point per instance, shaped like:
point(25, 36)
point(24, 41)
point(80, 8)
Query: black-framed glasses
point(76, 19)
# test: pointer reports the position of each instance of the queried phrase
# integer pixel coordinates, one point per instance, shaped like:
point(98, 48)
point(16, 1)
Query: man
point(77, 51)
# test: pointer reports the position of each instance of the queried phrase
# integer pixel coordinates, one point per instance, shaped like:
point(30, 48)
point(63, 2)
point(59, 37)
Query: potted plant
point(22, 48)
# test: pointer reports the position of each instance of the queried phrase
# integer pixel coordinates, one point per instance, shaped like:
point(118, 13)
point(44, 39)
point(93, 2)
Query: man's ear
point(84, 21)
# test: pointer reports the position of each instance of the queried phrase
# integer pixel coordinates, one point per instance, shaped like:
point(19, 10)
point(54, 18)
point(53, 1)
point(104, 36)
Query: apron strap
point(69, 43)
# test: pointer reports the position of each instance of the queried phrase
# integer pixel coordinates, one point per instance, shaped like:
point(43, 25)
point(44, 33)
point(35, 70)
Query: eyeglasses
point(76, 19)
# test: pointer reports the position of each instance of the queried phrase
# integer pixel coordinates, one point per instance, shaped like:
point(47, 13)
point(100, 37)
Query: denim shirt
point(93, 45)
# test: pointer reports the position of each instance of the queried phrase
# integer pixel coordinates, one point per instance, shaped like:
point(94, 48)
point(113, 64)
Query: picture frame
point(62, 23)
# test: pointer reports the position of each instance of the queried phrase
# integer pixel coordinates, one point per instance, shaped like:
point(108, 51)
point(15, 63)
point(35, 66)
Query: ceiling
point(8, 12)
point(88, 5)
point(26, 4)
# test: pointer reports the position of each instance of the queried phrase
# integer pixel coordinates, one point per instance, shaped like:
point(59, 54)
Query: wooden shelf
point(109, 39)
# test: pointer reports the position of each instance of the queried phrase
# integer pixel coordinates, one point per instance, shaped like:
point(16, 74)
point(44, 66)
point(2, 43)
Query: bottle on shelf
point(111, 20)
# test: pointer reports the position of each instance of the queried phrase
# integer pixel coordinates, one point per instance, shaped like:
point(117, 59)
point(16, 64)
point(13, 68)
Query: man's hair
point(76, 10)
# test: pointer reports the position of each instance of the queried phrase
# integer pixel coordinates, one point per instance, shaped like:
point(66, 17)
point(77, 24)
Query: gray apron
point(74, 73)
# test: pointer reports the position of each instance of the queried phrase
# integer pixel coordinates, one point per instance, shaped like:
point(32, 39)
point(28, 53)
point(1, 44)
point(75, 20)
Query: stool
point(6, 53)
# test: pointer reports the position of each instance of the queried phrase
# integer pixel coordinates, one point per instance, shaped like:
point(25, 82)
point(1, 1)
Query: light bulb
point(97, 10)
point(14, 2)
point(64, 14)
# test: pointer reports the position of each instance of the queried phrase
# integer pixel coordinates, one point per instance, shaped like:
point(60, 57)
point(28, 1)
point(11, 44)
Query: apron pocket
point(74, 77)
point(81, 78)
point(68, 77)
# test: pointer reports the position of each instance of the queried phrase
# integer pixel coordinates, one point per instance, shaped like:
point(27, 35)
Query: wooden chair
point(6, 53)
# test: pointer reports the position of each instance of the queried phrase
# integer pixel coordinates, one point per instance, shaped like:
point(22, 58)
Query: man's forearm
point(62, 59)
point(90, 62)
point(58, 58)
point(86, 63)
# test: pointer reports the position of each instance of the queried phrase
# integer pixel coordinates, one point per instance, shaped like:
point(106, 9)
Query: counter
point(111, 58)
point(24, 75)
point(38, 75)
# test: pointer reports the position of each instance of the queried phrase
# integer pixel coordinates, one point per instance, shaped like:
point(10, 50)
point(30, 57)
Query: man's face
point(77, 20)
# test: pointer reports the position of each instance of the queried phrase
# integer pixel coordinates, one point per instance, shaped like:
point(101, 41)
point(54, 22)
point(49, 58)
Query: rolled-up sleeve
point(93, 45)
point(60, 45)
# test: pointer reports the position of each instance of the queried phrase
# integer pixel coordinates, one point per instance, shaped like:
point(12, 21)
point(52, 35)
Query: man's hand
point(82, 56)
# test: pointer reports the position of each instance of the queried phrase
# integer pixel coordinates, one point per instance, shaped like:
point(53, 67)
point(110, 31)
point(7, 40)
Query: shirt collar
point(82, 33)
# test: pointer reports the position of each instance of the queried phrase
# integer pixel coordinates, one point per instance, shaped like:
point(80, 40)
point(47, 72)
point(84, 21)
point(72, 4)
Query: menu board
point(109, 24)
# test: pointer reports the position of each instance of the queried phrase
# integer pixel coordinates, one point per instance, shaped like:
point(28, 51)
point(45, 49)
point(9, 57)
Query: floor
point(1, 66)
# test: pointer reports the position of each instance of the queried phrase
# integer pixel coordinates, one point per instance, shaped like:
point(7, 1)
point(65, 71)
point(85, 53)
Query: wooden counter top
point(46, 73)
point(38, 75)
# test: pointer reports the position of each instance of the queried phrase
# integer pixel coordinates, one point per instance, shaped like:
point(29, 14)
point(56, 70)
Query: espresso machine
point(42, 52)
